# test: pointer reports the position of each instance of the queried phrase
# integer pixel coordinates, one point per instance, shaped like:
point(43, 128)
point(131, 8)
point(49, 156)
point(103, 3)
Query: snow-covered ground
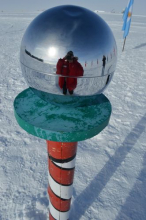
point(110, 177)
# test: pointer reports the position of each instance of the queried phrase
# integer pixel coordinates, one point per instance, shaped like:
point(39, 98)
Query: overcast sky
point(103, 5)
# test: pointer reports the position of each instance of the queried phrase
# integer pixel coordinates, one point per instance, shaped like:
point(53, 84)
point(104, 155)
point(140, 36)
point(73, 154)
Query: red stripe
point(59, 204)
point(64, 177)
point(51, 217)
point(61, 150)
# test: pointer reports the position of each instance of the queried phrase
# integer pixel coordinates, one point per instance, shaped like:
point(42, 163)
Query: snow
point(110, 176)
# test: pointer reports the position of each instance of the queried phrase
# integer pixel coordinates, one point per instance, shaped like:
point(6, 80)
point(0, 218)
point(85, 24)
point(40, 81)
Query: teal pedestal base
point(61, 123)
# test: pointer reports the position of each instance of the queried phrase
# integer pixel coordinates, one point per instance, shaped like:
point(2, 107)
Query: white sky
point(104, 5)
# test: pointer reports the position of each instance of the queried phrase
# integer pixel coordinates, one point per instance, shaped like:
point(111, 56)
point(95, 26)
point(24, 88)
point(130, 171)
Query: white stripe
point(68, 165)
point(130, 10)
point(128, 19)
point(64, 192)
point(128, 3)
point(58, 215)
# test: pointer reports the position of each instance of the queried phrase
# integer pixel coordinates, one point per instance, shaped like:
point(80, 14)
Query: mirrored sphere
point(49, 38)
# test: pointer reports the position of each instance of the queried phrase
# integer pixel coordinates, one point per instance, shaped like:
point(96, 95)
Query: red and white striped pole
point(62, 155)
point(61, 164)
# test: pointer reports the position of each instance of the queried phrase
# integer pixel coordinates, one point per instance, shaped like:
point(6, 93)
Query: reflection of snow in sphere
point(68, 28)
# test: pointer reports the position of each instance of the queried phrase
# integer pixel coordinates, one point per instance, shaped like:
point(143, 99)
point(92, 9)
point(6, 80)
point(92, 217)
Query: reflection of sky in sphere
point(75, 28)
point(52, 51)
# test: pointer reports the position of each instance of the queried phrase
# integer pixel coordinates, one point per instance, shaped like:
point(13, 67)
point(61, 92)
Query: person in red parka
point(69, 67)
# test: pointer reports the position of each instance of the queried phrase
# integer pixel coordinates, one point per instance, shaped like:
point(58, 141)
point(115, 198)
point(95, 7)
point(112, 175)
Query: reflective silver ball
point(54, 33)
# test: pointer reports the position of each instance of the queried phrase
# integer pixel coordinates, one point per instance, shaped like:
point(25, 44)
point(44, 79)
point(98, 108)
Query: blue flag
point(127, 18)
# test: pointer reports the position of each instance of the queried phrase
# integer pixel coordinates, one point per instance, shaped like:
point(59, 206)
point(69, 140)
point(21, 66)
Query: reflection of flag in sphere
point(85, 63)
point(61, 164)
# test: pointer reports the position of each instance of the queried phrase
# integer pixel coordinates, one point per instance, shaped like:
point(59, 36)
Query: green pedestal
point(61, 123)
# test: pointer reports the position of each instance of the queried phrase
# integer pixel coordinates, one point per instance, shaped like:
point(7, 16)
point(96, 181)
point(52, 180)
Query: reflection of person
point(69, 66)
point(108, 77)
point(104, 60)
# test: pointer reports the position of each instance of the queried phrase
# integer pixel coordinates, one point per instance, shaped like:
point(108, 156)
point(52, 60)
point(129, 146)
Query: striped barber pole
point(61, 165)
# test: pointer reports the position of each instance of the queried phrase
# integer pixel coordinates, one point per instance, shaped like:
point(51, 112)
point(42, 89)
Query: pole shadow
point(135, 205)
point(92, 191)
point(139, 46)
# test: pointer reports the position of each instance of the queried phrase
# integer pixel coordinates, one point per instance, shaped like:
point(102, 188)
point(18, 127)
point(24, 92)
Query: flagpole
point(124, 44)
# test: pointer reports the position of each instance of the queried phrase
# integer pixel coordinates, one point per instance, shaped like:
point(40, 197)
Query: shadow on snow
point(139, 46)
point(92, 191)
point(134, 207)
